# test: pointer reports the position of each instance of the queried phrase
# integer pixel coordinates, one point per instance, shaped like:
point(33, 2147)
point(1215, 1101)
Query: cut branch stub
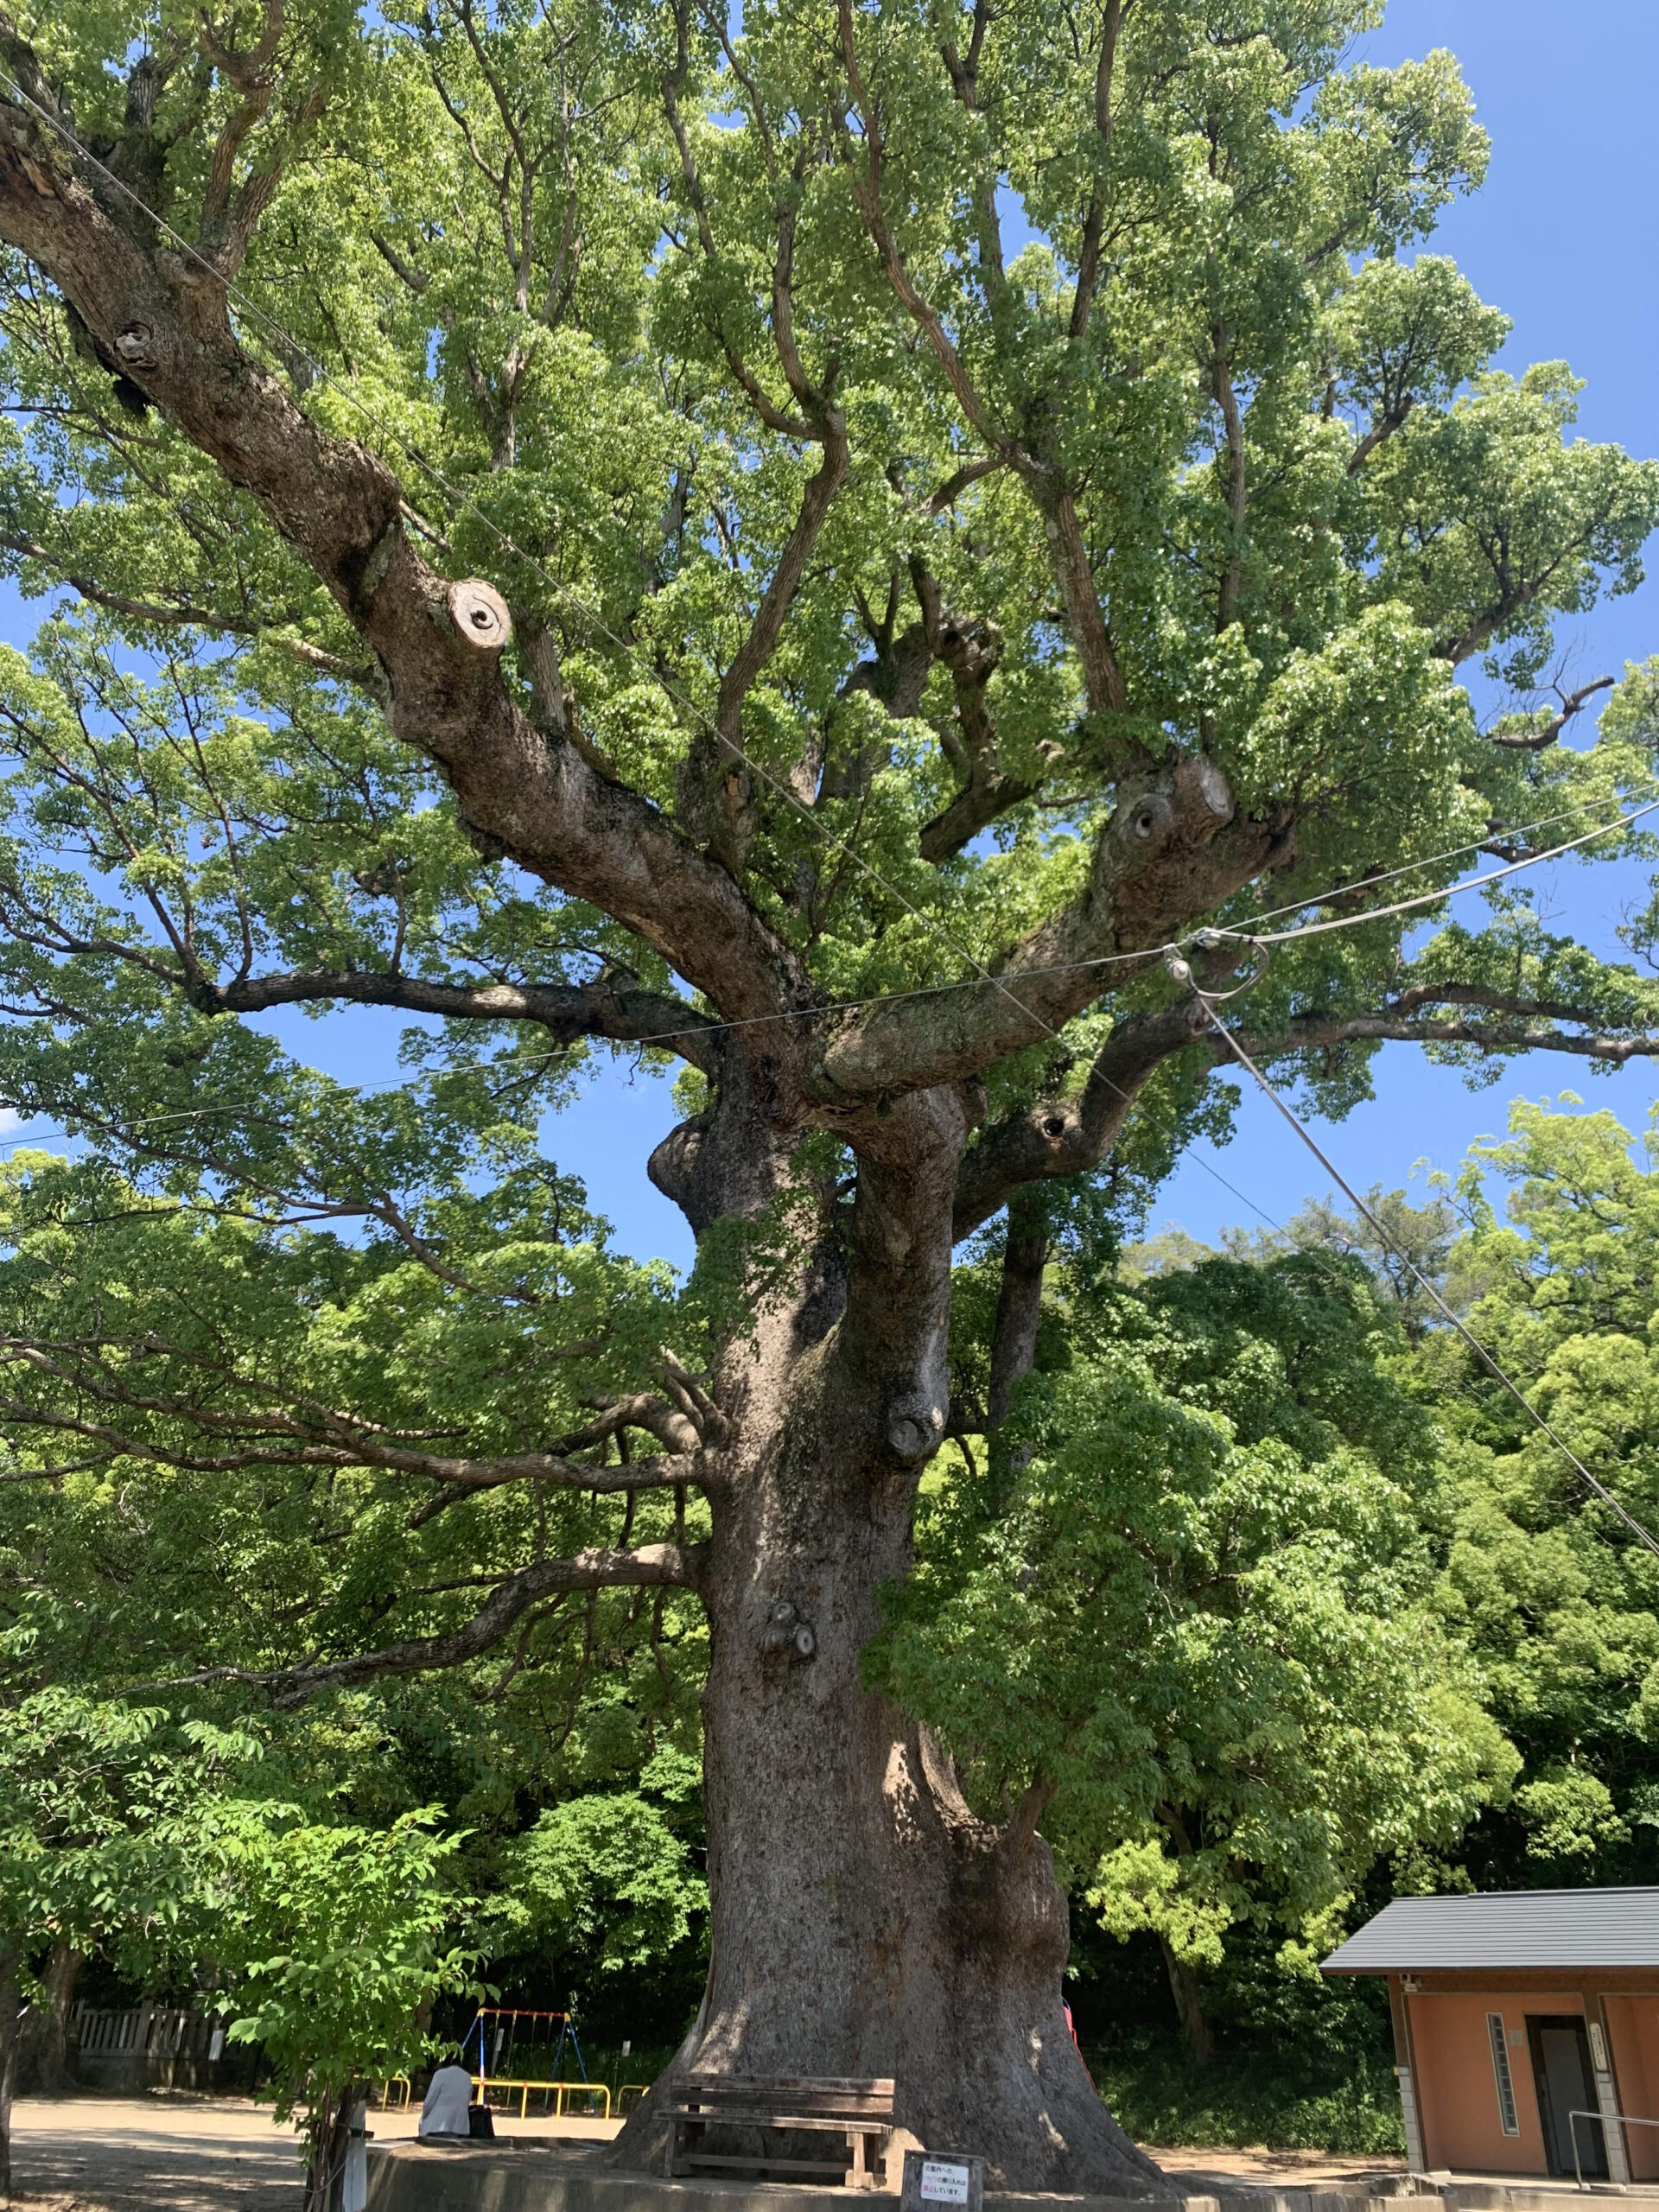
point(785, 1630)
point(914, 1431)
point(135, 346)
point(480, 614)
point(1214, 788)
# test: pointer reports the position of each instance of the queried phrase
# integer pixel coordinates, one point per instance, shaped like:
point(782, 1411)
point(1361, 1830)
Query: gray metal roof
point(1507, 1928)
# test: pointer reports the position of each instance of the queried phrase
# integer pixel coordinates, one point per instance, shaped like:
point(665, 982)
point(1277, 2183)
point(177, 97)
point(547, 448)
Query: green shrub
point(1267, 2094)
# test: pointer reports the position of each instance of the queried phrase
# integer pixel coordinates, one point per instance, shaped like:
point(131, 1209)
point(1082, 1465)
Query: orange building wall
point(1457, 2093)
point(1633, 2029)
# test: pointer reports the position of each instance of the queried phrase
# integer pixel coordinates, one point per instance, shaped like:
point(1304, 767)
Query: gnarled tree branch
point(652, 1565)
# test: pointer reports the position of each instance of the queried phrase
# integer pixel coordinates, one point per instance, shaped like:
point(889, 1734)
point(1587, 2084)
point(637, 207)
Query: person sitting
point(450, 2095)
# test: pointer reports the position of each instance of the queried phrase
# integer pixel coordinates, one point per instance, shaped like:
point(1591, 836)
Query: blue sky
point(1562, 237)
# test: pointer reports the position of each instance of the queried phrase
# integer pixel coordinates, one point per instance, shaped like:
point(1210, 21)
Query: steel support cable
point(464, 503)
point(1430, 860)
point(1183, 974)
point(1208, 938)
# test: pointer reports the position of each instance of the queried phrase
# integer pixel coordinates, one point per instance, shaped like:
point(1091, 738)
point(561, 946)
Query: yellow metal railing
point(557, 2090)
point(634, 2089)
point(396, 2081)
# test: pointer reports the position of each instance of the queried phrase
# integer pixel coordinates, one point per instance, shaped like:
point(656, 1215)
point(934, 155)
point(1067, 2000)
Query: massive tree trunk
point(864, 1922)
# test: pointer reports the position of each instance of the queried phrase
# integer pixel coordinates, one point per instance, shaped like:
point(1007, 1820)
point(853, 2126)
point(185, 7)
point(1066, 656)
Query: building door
point(1561, 2067)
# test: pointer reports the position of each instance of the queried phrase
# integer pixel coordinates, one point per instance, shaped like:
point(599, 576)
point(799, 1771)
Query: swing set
point(497, 2027)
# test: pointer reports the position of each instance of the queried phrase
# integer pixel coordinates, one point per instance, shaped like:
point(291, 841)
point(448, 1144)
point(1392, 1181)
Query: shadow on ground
point(156, 2155)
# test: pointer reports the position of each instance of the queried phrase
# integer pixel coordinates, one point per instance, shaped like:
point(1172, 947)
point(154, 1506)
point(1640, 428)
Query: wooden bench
point(861, 2113)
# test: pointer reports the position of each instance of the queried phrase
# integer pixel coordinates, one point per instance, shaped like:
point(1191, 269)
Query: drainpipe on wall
point(1601, 2065)
point(1405, 2075)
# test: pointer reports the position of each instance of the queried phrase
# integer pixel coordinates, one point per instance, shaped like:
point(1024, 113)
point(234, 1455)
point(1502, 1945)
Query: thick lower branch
point(653, 1566)
point(340, 506)
point(1170, 852)
point(611, 1007)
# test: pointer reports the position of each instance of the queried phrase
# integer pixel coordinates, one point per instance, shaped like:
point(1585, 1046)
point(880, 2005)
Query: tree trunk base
point(937, 1961)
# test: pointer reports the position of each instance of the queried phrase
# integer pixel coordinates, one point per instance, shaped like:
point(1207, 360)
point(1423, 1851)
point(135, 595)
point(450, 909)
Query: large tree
point(587, 527)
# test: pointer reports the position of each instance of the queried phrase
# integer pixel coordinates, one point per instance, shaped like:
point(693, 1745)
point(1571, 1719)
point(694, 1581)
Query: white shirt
point(444, 2111)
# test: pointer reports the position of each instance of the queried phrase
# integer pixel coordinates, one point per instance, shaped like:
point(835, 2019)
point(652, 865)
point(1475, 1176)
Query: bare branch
point(1227, 400)
point(198, 618)
point(613, 1006)
point(955, 485)
point(1020, 1299)
point(1380, 432)
point(775, 417)
point(415, 278)
point(1524, 1033)
point(251, 73)
point(867, 191)
point(762, 643)
point(268, 1436)
point(1572, 702)
point(970, 651)
point(1103, 678)
point(1083, 298)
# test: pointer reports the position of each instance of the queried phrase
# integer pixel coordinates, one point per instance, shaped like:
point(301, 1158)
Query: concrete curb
point(530, 2177)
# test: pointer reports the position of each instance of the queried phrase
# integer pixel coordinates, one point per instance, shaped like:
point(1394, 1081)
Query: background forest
point(1381, 1643)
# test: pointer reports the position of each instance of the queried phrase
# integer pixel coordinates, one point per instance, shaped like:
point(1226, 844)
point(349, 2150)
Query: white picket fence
point(157, 2032)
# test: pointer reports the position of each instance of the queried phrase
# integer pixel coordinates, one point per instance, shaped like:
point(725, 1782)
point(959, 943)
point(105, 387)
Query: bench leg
point(861, 2179)
point(673, 2149)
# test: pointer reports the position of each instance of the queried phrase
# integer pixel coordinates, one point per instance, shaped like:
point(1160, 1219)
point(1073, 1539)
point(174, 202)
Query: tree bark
point(1019, 1300)
point(48, 2041)
point(11, 2008)
point(1189, 2004)
point(330, 2132)
point(864, 1921)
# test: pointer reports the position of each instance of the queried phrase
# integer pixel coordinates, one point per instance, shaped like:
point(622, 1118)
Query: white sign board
point(942, 2183)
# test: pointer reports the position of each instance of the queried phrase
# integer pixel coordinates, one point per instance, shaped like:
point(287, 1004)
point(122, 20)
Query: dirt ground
point(151, 2154)
point(183, 2153)
point(197, 2154)
point(1271, 2169)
